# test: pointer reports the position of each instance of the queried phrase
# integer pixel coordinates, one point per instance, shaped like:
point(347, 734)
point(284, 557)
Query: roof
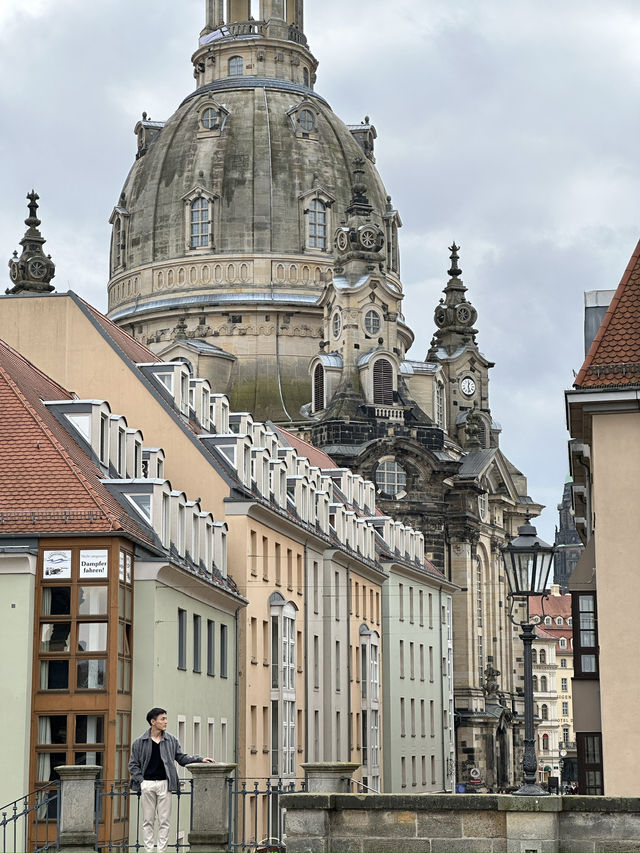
point(317, 458)
point(475, 462)
point(613, 359)
point(47, 482)
point(133, 349)
point(554, 605)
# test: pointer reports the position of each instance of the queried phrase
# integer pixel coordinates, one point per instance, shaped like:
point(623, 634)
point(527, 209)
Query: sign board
point(56, 565)
point(94, 564)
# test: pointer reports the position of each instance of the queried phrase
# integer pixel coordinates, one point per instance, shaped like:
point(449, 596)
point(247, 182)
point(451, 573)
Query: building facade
point(604, 425)
point(567, 541)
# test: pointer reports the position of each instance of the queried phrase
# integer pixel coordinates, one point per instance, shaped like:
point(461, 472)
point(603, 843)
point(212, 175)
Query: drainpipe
point(444, 756)
point(236, 745)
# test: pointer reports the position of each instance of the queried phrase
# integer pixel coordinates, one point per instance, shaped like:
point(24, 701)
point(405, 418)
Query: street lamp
point(527, 562)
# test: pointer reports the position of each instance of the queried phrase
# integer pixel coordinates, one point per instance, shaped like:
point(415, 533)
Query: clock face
point(37, 269)
point(468, 386)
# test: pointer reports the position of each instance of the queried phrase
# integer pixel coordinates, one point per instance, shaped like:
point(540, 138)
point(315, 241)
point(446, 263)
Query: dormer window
point(200, 222)
point(307, 121)
point(317, 225)
point(210, 119)
point(236, 66)
point(143, 504)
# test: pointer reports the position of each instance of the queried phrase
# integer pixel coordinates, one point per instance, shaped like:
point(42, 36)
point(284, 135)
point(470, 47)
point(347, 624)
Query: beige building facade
point(604, 423)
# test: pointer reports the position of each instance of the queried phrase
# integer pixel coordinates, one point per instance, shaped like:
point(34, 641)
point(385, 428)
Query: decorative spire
point(33, 270)
point(454, 315)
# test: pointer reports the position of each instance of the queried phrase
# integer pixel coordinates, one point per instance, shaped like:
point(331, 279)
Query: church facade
point(255, 241)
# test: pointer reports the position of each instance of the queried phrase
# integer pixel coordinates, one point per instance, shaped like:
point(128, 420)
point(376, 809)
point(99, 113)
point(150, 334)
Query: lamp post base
point(530, 791)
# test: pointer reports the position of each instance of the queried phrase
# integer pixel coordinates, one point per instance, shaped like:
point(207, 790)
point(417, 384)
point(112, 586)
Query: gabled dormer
point(172, 379)
point(89, 422)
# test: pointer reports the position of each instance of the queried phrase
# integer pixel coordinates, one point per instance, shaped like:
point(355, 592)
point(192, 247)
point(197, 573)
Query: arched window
point(535, 683)
point(236, 66)
point(563, 643)
point(117, 243)
point(383, 383)
point(559, 620)
point(544, 712)
point(543, 656)
point(318, 388)
point(200, 222)
point(547, 620)
point(305, 77)
point(545, 743)
point(317, 224)
point(543, 684)
point(534, 656)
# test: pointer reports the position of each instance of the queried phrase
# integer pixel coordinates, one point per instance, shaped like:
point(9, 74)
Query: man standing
point(153, 773)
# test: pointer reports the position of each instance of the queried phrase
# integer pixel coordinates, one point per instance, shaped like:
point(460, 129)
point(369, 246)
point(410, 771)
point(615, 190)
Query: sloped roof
point(47, 482)
point(134, 350)
point(613, 359)
point(317, 458)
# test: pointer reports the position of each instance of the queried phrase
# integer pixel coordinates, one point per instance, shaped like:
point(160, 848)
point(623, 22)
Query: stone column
point(210, 807)
point(329, 777)
point(77, 807)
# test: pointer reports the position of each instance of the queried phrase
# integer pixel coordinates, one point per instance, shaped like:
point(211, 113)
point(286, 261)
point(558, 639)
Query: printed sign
point(94, 564)
point(56, 564)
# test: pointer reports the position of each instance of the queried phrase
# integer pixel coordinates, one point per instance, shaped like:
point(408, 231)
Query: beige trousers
point(156, 801)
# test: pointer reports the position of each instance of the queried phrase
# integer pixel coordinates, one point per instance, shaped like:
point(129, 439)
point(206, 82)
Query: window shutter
point(318, 388)
point(383, 383)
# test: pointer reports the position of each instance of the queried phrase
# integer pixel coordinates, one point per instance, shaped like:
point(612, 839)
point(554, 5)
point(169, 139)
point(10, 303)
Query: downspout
point(306, 652)
point(236, 745)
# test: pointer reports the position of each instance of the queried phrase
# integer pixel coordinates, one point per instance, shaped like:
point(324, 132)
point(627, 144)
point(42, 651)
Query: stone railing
point(382, 823)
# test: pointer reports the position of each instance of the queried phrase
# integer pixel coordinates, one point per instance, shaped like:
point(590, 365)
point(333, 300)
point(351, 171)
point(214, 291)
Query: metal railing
point(118, 817)
point(256, 820)
point(32, 822)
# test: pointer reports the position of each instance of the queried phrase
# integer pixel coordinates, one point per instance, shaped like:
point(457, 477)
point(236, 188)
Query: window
point(543, 656)
point(317, 224)
point(543, 684)
point(544, 712)
point(318, 387)
point(306, 120)
point(563, 663)
point(585, 637)
point(545, 743)
point(383, 382)
point(200, 222)
point(535, 683)
point(236, 66)
point(209, 118)
point(336, 324)
point(547, 620)
point(534, 655)
point(565, 709)
point(559, 620)
point(211, 647)
point(590, 781)
point(391, 478)
point(223, 651)
point(182, 639)
point(564, 684)
point(197, 643)
point(563, 643)
point(305, 77)
point(372, 322)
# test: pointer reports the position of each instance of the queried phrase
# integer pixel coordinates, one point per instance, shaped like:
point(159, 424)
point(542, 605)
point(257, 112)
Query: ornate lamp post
point(527, 562)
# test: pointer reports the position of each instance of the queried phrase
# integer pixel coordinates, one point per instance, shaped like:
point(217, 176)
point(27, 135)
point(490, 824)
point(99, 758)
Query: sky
point(509, 126)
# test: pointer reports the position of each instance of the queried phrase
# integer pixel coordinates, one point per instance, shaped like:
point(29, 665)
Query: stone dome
point(224, 230)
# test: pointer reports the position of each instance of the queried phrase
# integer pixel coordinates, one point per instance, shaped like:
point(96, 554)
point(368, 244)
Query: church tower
point(222, 237)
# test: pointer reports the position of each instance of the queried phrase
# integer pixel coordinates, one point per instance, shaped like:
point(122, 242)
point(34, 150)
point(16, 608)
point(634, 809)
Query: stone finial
point(33, 270)
point(455, 270)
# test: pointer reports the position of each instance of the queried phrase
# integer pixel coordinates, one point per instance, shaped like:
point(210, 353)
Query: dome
point(224, 230)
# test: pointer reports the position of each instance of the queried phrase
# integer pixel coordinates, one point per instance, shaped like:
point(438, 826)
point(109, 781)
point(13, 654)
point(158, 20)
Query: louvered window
point(318, 388)
point(383, 383)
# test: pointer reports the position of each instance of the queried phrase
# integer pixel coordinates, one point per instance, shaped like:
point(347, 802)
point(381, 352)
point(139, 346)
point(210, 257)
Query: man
point(153, 773)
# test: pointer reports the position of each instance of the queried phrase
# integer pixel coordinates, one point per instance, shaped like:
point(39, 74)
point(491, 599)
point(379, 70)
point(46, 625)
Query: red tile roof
point(554, 605)
point(47, 482)
point(613, 359)
point(317, 458)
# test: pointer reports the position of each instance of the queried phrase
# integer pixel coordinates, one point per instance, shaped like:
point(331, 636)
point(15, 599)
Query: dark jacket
point(170, 752)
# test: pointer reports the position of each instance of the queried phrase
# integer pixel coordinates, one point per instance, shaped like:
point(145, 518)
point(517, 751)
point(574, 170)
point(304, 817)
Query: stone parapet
point(479, 823)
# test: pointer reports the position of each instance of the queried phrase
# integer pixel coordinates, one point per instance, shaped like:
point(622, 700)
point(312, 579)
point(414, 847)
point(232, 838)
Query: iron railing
point(118, 817)
point(256, 820)
point(32, 822)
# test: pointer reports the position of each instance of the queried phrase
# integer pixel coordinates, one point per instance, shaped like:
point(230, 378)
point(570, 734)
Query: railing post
point(331, 777)
point(77, 807)
point(210, 807)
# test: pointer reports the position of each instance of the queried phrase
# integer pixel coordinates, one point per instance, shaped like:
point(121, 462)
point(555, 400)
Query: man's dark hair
point(154, 713)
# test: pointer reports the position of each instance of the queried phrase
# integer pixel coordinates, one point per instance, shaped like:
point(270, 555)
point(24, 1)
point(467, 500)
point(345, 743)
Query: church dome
point(226, 221)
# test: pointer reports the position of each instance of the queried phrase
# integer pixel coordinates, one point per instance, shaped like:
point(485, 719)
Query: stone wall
point(423, 823)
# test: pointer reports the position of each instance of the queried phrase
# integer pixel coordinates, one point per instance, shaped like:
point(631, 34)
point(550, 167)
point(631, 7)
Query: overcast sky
point(510, 126)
